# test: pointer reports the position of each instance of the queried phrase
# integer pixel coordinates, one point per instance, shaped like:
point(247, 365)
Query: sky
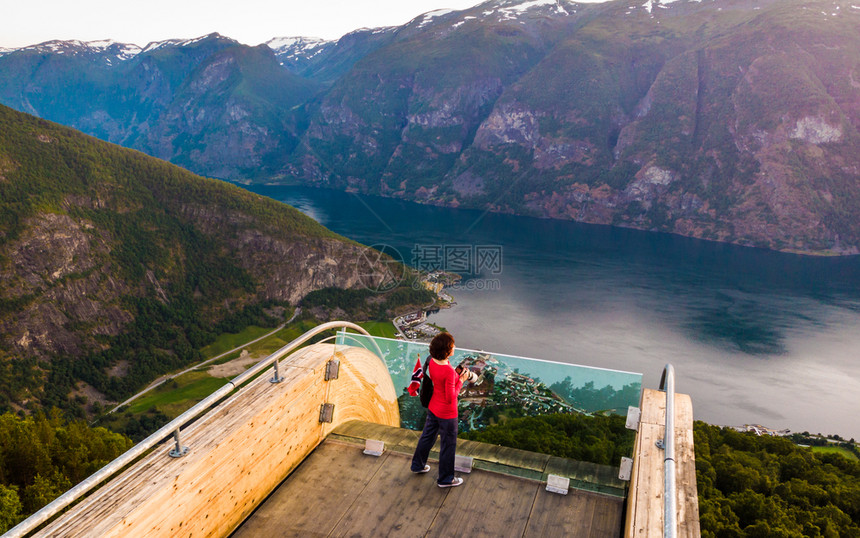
point(28, 22)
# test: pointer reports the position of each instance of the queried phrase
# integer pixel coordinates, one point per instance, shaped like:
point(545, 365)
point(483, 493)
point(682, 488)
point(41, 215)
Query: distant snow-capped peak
point(291, 49)
point(154, 45)
point(426, 18)
point(503, 10)
point(306, 43)
point(123, 51)
point(103, 47)
point(107, 49)
point(511, 8)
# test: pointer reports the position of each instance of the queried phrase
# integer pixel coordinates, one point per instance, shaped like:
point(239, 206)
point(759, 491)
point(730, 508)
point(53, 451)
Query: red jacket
point(446, 387)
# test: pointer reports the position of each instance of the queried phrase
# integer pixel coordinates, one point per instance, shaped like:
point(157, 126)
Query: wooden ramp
point(339, 491)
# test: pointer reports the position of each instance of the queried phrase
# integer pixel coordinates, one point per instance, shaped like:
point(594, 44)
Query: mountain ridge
point(730, 120)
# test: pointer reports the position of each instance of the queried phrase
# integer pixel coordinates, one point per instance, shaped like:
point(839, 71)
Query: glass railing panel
point(508, 386)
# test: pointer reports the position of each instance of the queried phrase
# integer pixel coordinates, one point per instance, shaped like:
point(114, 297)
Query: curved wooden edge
point(364, 372)
point(239, 451)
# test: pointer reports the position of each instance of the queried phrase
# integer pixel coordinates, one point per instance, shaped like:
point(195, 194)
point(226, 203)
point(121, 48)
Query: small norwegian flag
point(417, 374)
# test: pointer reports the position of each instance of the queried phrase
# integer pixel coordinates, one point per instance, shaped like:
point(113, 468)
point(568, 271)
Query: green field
point(835, 450)
point(228, 341)
point(175, 396)
point(380, 328)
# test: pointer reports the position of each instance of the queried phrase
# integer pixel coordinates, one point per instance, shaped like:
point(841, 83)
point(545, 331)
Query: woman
point(441, 413)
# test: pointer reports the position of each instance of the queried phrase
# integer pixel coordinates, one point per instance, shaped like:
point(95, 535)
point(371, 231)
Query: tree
point(767, 486)
point(10, 507)
point(42, 456)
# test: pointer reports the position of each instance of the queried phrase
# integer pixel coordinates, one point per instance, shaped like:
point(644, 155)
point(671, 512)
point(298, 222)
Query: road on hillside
point(164, 378)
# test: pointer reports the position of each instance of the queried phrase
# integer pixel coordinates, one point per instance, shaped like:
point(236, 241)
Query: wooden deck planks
point(487, 504)
point(316, 496)
point(395, 502)
point(575, 515)
point(398, 439)
point(339, 491)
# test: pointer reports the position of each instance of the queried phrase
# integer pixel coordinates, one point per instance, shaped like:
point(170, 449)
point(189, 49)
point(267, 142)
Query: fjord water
point(755, 336)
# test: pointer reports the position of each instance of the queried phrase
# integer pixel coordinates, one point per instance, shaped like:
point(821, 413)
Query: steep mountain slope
point(732, 120)
point(399, 119)
point(115, 266)
point(728, 120)
point(209, 104)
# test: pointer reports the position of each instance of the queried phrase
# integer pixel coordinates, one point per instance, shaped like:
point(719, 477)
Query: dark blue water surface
point(755, 336)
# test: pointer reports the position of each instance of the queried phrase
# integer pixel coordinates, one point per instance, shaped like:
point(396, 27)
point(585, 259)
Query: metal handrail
point(170, 429)
point(670, 525)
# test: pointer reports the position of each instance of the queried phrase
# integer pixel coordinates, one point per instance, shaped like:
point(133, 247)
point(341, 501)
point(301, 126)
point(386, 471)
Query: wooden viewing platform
point(339, 491)
point(285, 459)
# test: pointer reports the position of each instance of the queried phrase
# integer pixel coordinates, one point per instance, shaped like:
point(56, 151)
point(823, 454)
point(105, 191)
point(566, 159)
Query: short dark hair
point(441, 346)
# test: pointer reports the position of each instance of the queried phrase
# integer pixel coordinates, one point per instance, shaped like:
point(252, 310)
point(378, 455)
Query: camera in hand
point(472, 377)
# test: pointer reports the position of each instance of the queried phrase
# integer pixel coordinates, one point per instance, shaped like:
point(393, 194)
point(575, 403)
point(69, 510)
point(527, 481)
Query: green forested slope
point(43, 456)
point(767, 486)
point(116, 266)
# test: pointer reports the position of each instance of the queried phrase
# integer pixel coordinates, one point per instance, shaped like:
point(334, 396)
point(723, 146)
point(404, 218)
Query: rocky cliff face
point(731, 120)
point(57, 276)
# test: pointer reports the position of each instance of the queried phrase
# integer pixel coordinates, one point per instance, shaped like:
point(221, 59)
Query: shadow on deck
point(339, 491)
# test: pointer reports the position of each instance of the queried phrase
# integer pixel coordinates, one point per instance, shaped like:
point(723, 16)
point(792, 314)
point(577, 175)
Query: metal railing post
point(178, 451)
point(670, 524)
point(277, 378)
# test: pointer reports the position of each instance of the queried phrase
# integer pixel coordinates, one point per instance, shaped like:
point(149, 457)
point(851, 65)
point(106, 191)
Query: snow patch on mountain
point(308, 43)
point(122, 51)
point(192, 41)
point(511, 10)
point(290, 49)
point(107, 48)
point(101, 43)
point(185, 42)
point(429, 16)
point(649, 5)
point(522, 8)
point(155, 45)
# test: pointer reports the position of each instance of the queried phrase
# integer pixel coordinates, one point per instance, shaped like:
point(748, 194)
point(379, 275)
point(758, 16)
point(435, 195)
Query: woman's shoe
point(426, 469)
point(454, 483)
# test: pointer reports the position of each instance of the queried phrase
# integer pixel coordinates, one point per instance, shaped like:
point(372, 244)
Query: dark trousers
point(446, 428)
